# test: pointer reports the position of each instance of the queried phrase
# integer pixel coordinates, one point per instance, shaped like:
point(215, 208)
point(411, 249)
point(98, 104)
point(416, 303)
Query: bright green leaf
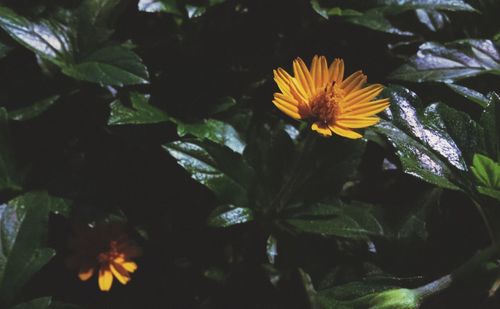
point(487, 175)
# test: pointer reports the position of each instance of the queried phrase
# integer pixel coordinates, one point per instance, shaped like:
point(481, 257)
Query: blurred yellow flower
point(322, 95)
point(105, 248)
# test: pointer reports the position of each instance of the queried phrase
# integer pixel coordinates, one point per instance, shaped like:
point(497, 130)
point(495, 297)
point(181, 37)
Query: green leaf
point(355, 220)
point(228, 215)
point(450, 62)
point(34, 110)
point(414, 223)
point(470, 94)
point(222, 105)
point(23, 226)
point(39, 303)
point(399, 6)
point(140, 112)
point(10, 176)
point(490, 121)
point(61, 305)
point(487, 175)
point(213, 130)
point(217, 167)
point(113, 65)
point(156, 6)
point(466, 133)
point(47, 38)
point(423, 146)
point(432, 19)
point(94, 17)
point(375, 19)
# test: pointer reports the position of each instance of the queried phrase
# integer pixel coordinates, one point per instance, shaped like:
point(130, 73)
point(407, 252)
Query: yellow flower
point(105, 248)
point(322, 95)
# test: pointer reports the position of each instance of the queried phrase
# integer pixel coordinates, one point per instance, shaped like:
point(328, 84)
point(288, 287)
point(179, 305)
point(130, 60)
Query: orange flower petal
point(364, 94)
point(301, 73)
point(357, 122)
point(129, 266)
point(85, 273)
point(345, 132)
point(320, 130)
point(105, 279)
point(336, 71)
point(120, 273)
point(367, 108)
point(354, 82)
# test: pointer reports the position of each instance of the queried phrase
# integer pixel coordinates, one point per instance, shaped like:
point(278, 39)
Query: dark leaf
point(217, 167)
point(39, 303)
point(10, 176)
point(141, 112)
point(469, 94)
point(228, 215)
point(490, 121)
point(354, 220)
point(424, 149)
point(34, 110)
point(450, 62)
point(114, 65)
point(214, 130)
point(47, 38)
point(433, 20)
point(23, 225)
point(155, 6)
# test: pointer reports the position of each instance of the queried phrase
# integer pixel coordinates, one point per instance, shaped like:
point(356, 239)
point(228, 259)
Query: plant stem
point(480, 209)
point(463, 273)
point(307, 146)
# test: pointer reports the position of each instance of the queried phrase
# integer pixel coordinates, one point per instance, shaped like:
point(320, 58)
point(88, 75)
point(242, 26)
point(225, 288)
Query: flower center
point(324, 105)
point(111, 254)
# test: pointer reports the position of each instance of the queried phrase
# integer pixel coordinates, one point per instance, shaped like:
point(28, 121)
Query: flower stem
point(463, 273)
point(307, 145)
point(480, 209)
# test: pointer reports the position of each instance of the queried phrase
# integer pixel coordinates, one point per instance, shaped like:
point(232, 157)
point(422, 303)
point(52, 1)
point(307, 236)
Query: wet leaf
point(47, 38)
point(228, 215)
point(354, 220)
point(213, 130)
point(23, 225)
point(398, 6)
point(450, 62)
point(424, 148)
point(375, 19)
point(155, 6)
point(490, 121)
point(217, 167)
point(432, 19)
point(34, 110)
point(466, 133)
point(272, 249)
point(140, 112)
point(114, 65)
point(470, 94)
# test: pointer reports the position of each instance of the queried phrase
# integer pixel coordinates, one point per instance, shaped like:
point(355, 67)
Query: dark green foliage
point(158, 113)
